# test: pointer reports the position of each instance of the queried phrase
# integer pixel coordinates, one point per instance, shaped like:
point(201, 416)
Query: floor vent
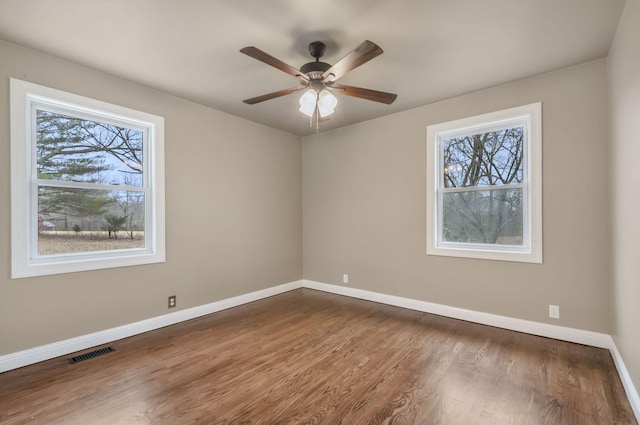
point(90, 355)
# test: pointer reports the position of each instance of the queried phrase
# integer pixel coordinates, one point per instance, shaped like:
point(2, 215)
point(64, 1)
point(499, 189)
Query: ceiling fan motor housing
point(314, 70)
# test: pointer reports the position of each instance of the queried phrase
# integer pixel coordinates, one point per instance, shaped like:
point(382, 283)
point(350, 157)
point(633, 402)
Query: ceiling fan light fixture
point(308, 102)
point(326, 103)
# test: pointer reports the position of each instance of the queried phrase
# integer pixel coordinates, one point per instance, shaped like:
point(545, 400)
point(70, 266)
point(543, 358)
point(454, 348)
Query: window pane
point(484, 159)
point(80, 150)
point(72, 220)
point(483, 216)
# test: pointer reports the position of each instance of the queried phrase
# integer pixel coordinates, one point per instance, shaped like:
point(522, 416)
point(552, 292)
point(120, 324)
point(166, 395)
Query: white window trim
point(531, 252)
point(24, 194)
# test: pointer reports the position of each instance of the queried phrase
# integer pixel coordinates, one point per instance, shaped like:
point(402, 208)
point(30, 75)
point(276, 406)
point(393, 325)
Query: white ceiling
point(434, 49)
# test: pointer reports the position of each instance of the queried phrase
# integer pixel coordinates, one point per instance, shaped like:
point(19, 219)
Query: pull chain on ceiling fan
point(319, 78)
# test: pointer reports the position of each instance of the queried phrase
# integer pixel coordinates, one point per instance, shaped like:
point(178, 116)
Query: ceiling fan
point(319, 78)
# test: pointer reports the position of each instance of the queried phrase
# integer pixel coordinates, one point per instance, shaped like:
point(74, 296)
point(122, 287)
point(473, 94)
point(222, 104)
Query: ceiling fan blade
point(366, 51)
point(272, 95)
point(258, 54)
point(375, 95)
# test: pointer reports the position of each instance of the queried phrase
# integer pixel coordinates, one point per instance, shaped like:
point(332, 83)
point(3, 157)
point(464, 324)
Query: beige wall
point(233, 214)
point(624, 87)
point(364, 206)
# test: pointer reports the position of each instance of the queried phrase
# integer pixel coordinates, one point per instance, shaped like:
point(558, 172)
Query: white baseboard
point(630, 389)
point(61, 348)
point(535, 328)
point(579, 336)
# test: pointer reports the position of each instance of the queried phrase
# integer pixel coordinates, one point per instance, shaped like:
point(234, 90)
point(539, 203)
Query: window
point(87, 183)
point(484, 186)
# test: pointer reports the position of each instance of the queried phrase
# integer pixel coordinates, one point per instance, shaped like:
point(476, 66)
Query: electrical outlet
point(345, 278)
point(554, 311)
point(172, 301)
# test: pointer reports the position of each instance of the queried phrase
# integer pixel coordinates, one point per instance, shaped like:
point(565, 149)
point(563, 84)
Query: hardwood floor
point(308, 357)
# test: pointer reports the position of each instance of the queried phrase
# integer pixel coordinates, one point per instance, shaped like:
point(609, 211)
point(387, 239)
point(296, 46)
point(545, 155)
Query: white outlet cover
point(554, 311)
point(345, 278)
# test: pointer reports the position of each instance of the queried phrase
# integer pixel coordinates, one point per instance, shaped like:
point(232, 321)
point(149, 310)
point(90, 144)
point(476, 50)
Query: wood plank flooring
point(308, 357)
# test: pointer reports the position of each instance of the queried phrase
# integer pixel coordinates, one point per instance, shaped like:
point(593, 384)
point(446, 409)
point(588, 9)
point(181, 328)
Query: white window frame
point(25, 261)
point(531, 249)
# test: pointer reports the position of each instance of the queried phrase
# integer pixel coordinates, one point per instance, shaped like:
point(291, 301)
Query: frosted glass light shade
point(326, 103)
point(308, 102)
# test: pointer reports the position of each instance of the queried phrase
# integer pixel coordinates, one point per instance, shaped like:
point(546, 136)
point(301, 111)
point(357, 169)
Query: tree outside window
point(482, 185)
point(73, 156)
